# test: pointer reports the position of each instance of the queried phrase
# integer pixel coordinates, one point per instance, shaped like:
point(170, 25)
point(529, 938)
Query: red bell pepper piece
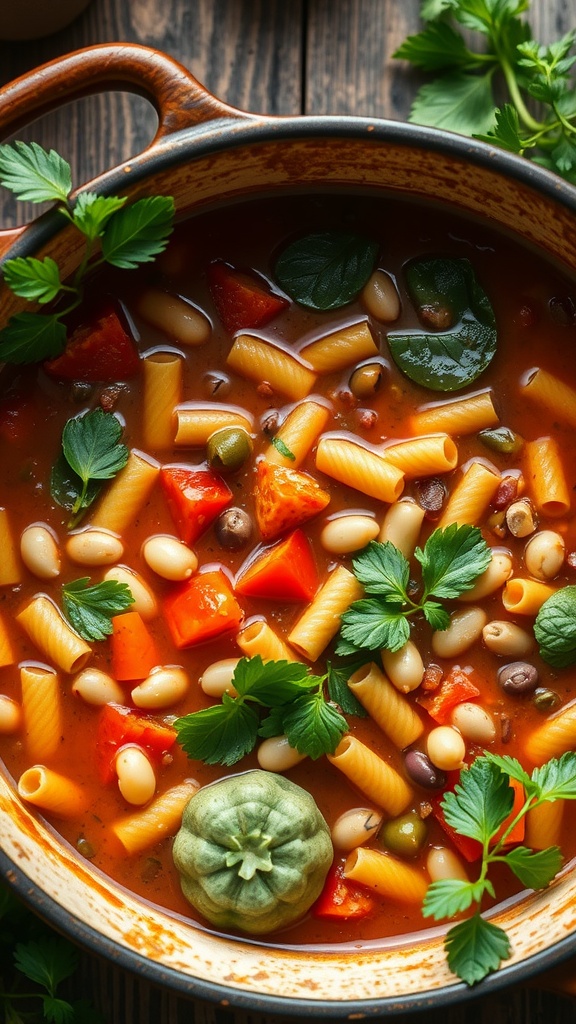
point(240, 300)
point(284, 572)
point(455, 688)
point(195, 497)
point(285, 498)
point(119, 725)
point(341, 899)
point(133, 650)
point(202, 608)
point(101, 351)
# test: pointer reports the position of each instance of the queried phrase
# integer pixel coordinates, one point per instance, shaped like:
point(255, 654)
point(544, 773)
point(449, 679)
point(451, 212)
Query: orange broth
point(536, 327)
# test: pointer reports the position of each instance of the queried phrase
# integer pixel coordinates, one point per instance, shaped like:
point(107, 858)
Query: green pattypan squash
point(253, 852)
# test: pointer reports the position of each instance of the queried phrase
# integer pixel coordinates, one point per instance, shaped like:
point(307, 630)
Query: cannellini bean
point(216, 679)
point(473, 722)
point(404, 668)
point(96, 687)
point(465, 628)
point(443, 863)
point(544, 554)
point(169, 557)
point(175, 317)
point(145, 602)
point(355, 827)
point(401, 526)
point(380, 297)
point(94, 547)
point(502, 637)
point(39, 551)
point(10, 715)
point(276, 755)
point(348, 533)
point(494, 577)
point(165, 685)
point(446, 748)
point(136, 778)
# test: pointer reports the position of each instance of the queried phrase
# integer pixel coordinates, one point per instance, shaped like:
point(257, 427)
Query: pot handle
point(179, 99)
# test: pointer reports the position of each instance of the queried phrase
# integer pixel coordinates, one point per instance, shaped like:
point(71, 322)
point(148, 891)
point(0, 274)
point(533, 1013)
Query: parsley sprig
point(479, 805)
point(451, 560)
point(460, 97)
point(121, 235)
point(226, 732)
point(89, 610)
point(91, 453)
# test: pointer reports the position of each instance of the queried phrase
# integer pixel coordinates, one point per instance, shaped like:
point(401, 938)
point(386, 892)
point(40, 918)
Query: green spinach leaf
point(326, 270)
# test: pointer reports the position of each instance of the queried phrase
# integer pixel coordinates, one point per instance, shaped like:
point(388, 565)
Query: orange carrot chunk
point(134, 653)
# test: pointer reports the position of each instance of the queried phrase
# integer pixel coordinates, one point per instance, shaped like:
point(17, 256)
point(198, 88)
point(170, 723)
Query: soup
point(268, 446)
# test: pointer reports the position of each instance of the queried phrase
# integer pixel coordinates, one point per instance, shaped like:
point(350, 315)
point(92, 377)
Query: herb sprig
point(460, 97)
point(91, 453)
point(127, 235)
point(478, 807)
point(89, 610)
point(451, 560)
point(226, 732)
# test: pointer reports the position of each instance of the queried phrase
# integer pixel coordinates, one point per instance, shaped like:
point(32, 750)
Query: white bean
point(348, 533)
point(136, 778)
point(502, 637)
point(401, 526)
point(494, 577)
point(276, 755)
point(404, 668)
point(175, 317)
point(94, 547)
point(544, 554)
point(216, 679)
point(145, 602)
point(442, 863)
point(445, 748)
point(96, 687)
point(39, 551)
point(355, 827)
point(474, 722)
point(380, 297)
point(166, 685)
point(169, 557)
point(10, 715)
point(465, 628)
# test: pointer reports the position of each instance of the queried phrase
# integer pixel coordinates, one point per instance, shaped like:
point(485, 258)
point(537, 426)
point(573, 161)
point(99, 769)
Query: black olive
point(233, 528)
point(518, 677)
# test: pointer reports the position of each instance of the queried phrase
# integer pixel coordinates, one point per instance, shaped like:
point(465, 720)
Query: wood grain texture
point(265, 56)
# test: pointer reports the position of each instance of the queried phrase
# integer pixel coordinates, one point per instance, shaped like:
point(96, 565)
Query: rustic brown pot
point(205, 151)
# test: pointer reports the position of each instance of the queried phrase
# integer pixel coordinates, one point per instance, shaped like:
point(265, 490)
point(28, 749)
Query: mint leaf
point(452, 560)
point(555, 628)
point(457, 102)
point(382, 569)
point(33, 279)
point(480, 802)
point(450, 896)
point(33, 173)
point(326, 270)
point(92, 212)
point(222, 734)
point(534, 869)
point(475, 948)
point(90, 609)
point(373, 624)
point(139, 232)
point(31, 337)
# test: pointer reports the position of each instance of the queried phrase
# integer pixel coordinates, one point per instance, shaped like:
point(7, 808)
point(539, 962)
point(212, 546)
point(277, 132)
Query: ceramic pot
point(205, 151)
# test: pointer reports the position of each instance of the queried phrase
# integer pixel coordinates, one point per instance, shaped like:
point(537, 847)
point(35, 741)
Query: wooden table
point(265, 56)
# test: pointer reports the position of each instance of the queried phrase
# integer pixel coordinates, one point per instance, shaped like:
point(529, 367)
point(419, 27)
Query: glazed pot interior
point(220, 163)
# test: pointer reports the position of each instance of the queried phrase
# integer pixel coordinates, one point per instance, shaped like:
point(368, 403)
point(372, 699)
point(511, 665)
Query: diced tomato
point(100, 351)
point(469, 848)
point(133, 650)
point(202, 608)
point(341, 899)
point(285, 498)
point(285, 572)
point(240, 300)
point(119, 725)
point(195, 497)
point(455, 688)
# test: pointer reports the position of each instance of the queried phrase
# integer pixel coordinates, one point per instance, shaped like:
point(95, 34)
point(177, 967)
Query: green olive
point(228, 448)
point(405, 835)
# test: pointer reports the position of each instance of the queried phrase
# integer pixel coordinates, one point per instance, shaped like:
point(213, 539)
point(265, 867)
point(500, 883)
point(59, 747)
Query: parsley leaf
point(33, 174)
point(339, 691)
point(90, 609)
point(138, 233)
point(312, 725)
point(476, 947)
point(33, 279)
point(47, 962)
point(373, 624)
point(450, 896)
point(535, 869)
point(30, 337)
point(458, 102)
point(91, 449)
point(92, 212)
point(481, 801)
point(222, 734)
point(382, 569)
point(283, 448)
point(452, 560)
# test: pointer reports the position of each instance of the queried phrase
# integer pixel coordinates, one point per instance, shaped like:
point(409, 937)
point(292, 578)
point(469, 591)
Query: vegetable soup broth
point(535, 328)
